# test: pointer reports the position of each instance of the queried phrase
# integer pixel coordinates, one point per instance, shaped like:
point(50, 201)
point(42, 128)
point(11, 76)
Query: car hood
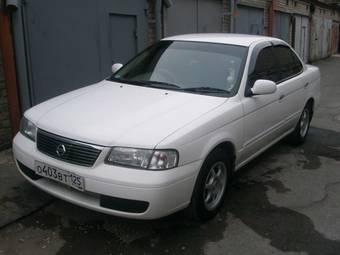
point(111, 114)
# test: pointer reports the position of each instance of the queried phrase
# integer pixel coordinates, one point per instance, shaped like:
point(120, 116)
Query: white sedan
point(168, 129)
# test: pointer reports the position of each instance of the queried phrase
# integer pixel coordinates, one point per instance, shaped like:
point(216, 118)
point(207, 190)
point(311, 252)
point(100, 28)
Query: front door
point(261, 112)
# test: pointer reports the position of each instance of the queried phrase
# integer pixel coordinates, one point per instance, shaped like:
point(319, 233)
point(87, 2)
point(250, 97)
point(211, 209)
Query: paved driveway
point(285, 202)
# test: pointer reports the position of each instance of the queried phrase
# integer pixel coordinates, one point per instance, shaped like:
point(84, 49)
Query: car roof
point(226, 38)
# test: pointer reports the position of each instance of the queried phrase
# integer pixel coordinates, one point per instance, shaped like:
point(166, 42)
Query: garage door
point(248, 20)
point(320, 38)
point(193, 16)
point(282, 26)
point(63, 45)
point(301, 36)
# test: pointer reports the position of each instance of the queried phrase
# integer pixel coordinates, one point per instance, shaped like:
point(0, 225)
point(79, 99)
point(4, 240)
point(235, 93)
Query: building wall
point(292, 6)
point(5, 129)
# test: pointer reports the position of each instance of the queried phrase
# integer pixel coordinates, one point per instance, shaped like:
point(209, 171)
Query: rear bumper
point(160, 193)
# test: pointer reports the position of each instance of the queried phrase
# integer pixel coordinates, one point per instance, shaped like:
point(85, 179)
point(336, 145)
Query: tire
point(298, 136)
point(202, 208)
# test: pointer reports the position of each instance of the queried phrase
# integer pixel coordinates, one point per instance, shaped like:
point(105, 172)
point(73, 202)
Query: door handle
point(306, 85)
point(282, 97)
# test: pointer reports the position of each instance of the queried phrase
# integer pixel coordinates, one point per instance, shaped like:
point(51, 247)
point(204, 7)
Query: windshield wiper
point(166, 85)
point(160, 84)
point(152, 84)
point(206, 90)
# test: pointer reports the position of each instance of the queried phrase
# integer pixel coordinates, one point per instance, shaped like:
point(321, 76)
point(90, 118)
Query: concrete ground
point(285, 202)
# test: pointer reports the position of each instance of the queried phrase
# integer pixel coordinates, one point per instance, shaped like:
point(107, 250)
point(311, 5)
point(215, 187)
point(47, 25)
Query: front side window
point(264, 67)
point(195, 67)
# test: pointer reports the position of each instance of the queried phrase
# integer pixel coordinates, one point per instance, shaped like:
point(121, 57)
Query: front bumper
point(165, 192)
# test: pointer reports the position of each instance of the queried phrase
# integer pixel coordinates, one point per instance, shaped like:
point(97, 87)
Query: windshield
point(195, 67)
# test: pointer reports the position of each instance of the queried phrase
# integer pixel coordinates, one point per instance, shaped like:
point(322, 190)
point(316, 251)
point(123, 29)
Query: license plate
point(59, 175)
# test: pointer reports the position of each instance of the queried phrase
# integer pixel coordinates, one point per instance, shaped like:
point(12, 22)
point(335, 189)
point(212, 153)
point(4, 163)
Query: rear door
point(291, 85)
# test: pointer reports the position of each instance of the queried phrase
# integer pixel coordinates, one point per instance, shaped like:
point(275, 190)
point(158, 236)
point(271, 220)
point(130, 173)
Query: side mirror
point(264, 87)
point(116, 67)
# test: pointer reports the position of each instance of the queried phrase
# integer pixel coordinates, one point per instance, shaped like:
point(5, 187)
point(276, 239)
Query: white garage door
point(301, 37)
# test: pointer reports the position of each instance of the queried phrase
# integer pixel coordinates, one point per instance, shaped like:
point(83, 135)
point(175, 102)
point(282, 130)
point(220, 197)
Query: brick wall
point(152, 34)
point(5, 129)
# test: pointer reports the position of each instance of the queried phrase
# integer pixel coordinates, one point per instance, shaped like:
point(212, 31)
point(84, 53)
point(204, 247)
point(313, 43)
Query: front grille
point(75, 152)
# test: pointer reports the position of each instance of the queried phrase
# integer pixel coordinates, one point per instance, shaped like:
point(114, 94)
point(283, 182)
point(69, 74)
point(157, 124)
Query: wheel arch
point(228, 146)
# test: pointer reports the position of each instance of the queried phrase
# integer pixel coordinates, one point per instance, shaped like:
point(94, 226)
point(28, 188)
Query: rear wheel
point(211, 186)
point(301, 130)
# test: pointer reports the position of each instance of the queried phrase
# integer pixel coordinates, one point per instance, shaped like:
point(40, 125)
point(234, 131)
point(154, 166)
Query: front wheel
point(211, 186)
point(301, 130)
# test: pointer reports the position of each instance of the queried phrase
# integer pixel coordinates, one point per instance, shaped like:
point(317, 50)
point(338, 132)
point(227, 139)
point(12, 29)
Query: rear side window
point(287, 64)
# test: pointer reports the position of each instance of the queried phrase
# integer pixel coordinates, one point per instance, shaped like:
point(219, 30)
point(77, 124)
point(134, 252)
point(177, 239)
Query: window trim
point(253, 58)
point(254, 55)
point(297, 57)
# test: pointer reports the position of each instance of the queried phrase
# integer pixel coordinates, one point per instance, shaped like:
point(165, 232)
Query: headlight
point(28, 129)
point(143, 158)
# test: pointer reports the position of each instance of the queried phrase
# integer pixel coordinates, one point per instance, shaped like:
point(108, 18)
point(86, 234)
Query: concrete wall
point(5, 129)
